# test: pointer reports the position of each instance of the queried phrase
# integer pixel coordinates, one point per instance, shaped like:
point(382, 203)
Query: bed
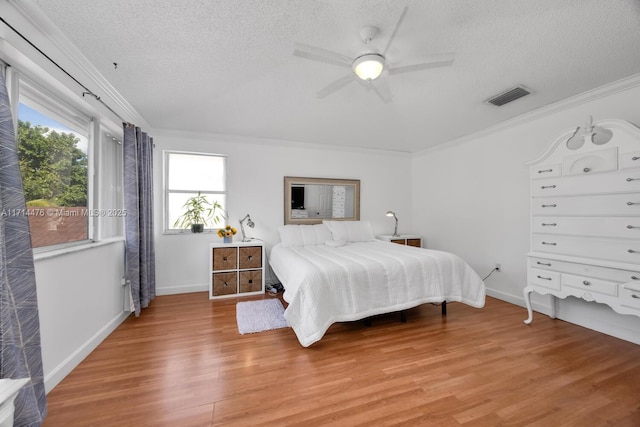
point(337, 271)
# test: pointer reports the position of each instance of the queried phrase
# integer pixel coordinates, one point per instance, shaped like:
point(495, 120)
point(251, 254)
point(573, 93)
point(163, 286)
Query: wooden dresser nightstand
point(236, 269)
point(403, 239)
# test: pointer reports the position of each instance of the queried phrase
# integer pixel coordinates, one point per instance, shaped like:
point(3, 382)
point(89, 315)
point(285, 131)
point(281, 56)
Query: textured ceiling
point(227, 66)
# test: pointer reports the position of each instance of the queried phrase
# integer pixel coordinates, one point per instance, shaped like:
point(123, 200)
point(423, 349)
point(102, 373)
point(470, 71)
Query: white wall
point(472, 198)
point(80, 302)
point(255, 175)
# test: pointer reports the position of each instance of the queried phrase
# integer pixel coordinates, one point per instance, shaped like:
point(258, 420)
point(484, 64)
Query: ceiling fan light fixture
point(368, 67)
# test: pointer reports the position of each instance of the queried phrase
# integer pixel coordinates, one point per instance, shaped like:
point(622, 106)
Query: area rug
point(260, 315)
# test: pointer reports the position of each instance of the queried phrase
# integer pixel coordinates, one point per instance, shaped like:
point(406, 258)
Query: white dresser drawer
point(604, 273)
point(544, 278)
point(622, 250)
point(625, 227)
point(590, 284)
point(630, 160)
point(603, 205)
point(615, 182)
point(546, 171)
point(630, 296)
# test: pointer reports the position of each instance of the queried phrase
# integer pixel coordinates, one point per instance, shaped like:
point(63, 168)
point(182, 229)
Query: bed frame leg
point(444, 308)
point(403, 316)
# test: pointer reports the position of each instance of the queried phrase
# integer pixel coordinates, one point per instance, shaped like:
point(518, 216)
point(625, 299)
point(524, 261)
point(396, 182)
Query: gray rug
point(260, 315)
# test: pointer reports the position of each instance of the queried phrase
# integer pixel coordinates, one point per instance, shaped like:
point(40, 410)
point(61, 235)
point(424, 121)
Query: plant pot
point(227, 239)
point(197, 228)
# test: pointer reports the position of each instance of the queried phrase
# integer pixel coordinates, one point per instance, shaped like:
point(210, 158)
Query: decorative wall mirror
point(310, 200)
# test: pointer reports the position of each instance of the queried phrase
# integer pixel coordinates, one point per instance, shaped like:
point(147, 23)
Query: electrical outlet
point(498, 267)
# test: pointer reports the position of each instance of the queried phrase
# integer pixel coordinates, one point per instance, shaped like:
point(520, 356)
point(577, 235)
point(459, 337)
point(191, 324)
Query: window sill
point(71, 249)
point(187, 232)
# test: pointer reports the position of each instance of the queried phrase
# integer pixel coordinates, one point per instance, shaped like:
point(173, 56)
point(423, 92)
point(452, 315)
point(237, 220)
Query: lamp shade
point(369, 66)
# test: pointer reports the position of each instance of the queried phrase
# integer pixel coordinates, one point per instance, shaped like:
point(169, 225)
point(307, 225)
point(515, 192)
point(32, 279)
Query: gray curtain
point(19, 320)
point(138, 200)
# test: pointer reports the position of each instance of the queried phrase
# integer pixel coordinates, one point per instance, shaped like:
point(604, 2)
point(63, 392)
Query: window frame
point(49, 102)
point(54, 107)
point(167, 227)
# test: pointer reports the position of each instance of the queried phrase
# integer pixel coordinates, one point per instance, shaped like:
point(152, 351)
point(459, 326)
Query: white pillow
point(351, 231)
point(304, 235)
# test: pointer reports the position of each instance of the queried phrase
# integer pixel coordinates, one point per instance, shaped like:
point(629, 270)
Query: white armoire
point(585, 218)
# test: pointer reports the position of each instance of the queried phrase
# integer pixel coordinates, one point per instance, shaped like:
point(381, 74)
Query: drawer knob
point(552, 244)
point(634, 158)
point(586, 283)
point(544, 187)
point(551, 224)
point(249, 257)
point(635, 296)
point(250, 281)
point(633, 179)
point(225, 284)
point(631, 251)
point(224, 258)
point(548, 264)
point(585, 170)
point(544, 278)
point(547, 170)
point(632, 226)
point(635, 278)
point(633, 203)
point(549, 206)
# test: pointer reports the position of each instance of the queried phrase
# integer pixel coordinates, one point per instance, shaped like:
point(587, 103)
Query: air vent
point(509, 96)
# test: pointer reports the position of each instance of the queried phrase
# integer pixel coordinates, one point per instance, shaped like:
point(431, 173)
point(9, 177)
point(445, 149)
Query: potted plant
point(198, 211)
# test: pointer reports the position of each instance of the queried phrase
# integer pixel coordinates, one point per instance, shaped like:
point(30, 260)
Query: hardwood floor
point(183, 363)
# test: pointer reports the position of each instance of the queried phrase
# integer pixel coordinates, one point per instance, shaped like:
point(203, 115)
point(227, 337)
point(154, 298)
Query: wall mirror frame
point(311, 200)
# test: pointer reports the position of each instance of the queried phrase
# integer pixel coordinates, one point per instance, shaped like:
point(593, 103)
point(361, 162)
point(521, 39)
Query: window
point(54, 162)
point(71, 168)
point(186, 175)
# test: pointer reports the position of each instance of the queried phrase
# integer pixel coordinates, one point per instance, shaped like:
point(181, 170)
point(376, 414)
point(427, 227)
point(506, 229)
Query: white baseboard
point(195, 287)
point(519, 300)
point(182, 289)
point(54, 377)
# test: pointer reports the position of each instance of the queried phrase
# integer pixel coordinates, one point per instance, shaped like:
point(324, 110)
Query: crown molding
point(74, 61)
point(255, 140)
point(609, 89)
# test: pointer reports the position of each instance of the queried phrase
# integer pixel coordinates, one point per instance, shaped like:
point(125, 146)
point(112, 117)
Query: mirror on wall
point(310, 200)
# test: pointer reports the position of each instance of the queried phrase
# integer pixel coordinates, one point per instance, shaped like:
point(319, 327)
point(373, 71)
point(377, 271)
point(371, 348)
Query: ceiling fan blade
point(333, 87)
point(382, 89)
point(395, 30)
point(322, 55)
point(443, 60)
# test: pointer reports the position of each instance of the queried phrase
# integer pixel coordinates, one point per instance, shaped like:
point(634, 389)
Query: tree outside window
point(54, 165)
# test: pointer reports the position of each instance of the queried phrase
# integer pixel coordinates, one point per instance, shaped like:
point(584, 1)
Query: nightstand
point(236, 269)
point(403, 239)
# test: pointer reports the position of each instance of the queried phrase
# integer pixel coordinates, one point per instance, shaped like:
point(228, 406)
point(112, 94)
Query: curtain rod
point(87, 91)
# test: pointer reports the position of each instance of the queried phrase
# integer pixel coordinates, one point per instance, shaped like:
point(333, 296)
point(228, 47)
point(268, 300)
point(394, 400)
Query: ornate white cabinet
point(585, 218)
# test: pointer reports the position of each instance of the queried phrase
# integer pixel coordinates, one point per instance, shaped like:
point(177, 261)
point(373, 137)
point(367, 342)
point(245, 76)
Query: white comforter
point(324, 284)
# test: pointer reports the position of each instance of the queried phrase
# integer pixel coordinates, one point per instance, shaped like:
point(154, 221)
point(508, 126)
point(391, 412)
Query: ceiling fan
point(369, 66)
